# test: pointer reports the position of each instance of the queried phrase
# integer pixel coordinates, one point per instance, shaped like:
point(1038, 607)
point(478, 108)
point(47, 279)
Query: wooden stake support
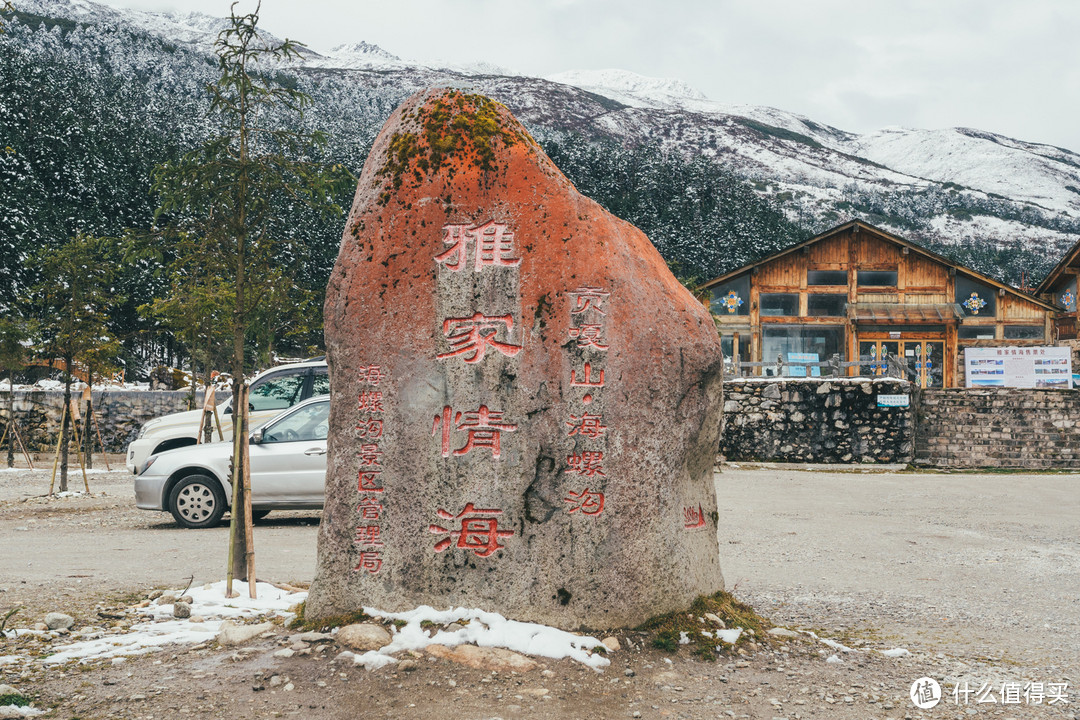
point(240, 525)
point(59, 441)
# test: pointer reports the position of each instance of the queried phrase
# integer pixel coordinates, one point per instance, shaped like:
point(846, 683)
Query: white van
point(271, 392)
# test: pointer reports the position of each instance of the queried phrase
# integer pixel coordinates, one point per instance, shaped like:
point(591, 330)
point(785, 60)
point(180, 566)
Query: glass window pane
point(320, 383)
point(731, 297)
point(796, 343)
point(276, 392)
point(976, 299)
point(779, 304)
point(826, 277)
point(826, 305)
point(877, 278)
point(975, 332)
point(309, 423)
point(1024, 332)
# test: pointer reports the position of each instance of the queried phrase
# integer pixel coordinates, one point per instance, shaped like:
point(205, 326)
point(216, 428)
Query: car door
point(288, 464)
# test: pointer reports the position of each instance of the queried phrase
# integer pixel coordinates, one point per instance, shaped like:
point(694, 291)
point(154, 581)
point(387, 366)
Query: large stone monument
point(525, 402)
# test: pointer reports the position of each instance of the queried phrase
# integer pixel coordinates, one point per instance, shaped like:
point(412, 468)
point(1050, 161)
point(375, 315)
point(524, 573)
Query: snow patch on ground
point(211, 607)
point(209, 603)
point(485, 629)
point(831, 643)
point(895, 652)
point(729, 636)
point(14, 711)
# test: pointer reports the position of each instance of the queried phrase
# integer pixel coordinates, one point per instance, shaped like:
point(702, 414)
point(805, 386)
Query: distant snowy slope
point(1040, 174)
point(632, 89)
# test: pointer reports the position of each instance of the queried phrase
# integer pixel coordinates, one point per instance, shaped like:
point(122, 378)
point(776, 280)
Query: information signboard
point(1018, 367)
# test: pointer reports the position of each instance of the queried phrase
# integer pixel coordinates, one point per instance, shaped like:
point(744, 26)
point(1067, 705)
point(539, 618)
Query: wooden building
point(860, 292)
point(1060, 288)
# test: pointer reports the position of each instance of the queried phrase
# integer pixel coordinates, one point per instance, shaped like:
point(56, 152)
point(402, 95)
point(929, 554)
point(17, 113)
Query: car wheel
point(257, 515)
point(197, 501)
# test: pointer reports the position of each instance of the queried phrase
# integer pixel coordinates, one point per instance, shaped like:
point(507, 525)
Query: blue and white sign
point(894, 400)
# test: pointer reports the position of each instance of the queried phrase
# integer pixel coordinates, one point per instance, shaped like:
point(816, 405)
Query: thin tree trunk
point(11, 422)
point(65, 435)
point(88, 437)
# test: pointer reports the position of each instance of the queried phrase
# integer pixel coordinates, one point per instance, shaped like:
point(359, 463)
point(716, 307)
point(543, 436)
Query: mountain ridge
point(943, 187)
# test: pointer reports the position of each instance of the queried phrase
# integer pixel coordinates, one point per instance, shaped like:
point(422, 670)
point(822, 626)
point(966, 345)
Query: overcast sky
point(1008, 66)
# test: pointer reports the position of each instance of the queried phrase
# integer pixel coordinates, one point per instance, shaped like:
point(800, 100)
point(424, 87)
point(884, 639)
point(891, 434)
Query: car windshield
point(311, 422)
point(277, 393)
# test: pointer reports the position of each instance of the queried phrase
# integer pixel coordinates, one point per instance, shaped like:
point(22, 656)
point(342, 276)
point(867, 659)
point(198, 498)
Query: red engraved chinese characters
point(479, 531)
point(369, 508)
point(473, 335)
point(368, 535)
point(693, 518)
point(586, 463)
point(587, 501)
point(491, 243)
point(368, 481)
point(371, 401)
point(588, 336)
point(370, 561)
point(588, 425)
point(483, 429)
point(588, 298)
point(369, 428)
point(587, 379)
point(371, 374)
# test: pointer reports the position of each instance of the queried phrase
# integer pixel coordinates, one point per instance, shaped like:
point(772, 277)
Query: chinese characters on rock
point(470, 339)
point(369, 508)
point(587, 327)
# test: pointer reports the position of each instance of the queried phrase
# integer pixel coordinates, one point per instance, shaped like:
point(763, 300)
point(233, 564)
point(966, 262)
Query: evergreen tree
point(230, 192)
point(71, 303)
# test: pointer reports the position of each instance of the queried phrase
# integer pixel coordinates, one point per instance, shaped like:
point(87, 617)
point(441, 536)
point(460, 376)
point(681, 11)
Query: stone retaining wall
point(1004, 428)
point(816, 421)
point(120, 413)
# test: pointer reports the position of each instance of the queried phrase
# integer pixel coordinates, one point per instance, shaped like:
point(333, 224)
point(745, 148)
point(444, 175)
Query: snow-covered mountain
point(937, 186)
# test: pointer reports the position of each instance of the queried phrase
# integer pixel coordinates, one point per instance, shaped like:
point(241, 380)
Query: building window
point(779, 304)
point(1024, 332)
point(825, 305)
point(975, 298)
point(800, 343)
point(975, 332)
point(734, 343)
point(877, 278)
point(826, 277)
point(731, 297)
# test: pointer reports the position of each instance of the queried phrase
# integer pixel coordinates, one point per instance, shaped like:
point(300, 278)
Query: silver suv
point(271, 392)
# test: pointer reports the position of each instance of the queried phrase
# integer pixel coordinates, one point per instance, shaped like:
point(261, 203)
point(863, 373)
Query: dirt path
point(976, 575)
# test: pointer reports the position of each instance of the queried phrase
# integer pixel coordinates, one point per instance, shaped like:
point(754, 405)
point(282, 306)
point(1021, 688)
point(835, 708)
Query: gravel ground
point(976, 575)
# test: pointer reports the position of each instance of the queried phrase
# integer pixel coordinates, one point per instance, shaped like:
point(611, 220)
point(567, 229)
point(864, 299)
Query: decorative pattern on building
point(1068, 300)
point(732, 302)
point(974, 303)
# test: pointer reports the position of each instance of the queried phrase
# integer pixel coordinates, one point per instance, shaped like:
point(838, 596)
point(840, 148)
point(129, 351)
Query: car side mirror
point(257, 437)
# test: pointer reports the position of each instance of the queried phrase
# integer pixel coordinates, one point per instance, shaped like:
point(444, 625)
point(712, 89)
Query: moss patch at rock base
point(670, 628)
point(326, 623)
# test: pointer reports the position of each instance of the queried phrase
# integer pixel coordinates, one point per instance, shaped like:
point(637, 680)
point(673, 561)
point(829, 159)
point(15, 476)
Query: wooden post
point(75, 418)
point(88, 436)
point(204, 433)
point(241, 539)
point(101, 443)
point(59, 440)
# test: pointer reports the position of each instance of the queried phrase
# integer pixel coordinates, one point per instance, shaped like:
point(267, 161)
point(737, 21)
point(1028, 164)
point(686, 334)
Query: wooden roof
point(893, 239)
